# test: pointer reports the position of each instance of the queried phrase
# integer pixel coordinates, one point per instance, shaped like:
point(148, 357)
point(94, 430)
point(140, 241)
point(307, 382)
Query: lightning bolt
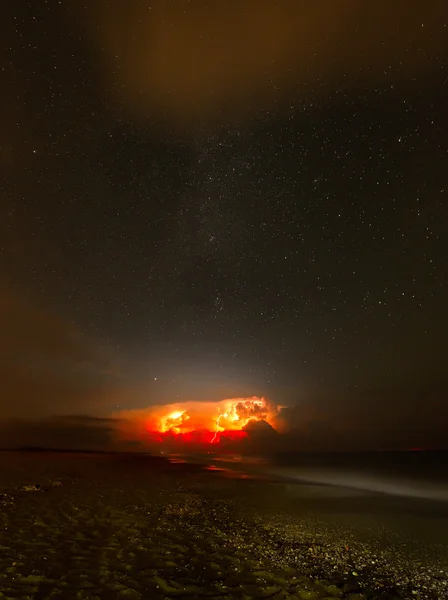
point(217, 430)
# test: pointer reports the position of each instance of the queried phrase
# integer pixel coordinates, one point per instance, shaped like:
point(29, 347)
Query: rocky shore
point(132, 527)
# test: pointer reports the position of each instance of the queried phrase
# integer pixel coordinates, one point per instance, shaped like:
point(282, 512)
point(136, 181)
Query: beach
point(96, 526)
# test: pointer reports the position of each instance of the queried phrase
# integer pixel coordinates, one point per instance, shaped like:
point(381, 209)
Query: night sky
point(202, 200)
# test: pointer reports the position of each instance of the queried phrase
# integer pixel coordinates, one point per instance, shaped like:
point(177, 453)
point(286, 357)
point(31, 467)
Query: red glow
point(208, 422)
point(198, 437)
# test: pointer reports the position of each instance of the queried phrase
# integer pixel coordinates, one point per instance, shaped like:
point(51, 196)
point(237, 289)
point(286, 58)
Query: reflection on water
point(391, 474)
point(177, 461)
point(230, 466)
point(241, 459)
point(231, 473)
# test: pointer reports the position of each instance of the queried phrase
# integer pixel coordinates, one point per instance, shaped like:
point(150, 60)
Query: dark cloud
point(331, 424)
point(65, 433)
point(47, 365)
point(262, 438)
point(196, 60)
point(387, 418)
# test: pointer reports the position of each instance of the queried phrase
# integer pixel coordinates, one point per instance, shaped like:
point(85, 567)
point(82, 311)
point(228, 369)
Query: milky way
point(277, 228)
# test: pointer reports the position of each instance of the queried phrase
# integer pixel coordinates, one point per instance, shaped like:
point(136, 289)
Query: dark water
point(396, 493)
point(422, 475)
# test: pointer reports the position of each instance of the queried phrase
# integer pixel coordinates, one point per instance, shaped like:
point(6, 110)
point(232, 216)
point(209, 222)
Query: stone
point(307, 595)
point(129, 594)
point(333, 590)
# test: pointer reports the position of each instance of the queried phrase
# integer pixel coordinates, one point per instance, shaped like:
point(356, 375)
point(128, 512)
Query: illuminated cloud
point(324, 425)
point(195, 60)
point(207, 422)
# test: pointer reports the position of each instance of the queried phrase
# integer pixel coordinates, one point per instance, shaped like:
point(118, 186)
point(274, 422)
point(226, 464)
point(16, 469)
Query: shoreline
point(135, 527)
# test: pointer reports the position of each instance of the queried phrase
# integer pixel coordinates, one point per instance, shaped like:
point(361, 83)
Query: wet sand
point(115, 526)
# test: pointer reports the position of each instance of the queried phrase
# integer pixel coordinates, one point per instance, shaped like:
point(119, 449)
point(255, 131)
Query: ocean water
point(388, 495)
point(416, 474)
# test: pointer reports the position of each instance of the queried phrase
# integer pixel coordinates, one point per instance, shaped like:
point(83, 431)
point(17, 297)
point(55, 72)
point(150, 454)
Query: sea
point(402, 494)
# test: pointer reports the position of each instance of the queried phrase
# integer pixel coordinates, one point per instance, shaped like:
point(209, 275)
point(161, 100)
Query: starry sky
point(204, 200)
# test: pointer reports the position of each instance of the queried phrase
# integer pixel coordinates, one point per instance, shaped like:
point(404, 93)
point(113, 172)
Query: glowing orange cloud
point(203, 422)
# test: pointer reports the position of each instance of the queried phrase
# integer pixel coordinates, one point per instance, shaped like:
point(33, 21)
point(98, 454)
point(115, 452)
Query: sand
point(131, 527)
